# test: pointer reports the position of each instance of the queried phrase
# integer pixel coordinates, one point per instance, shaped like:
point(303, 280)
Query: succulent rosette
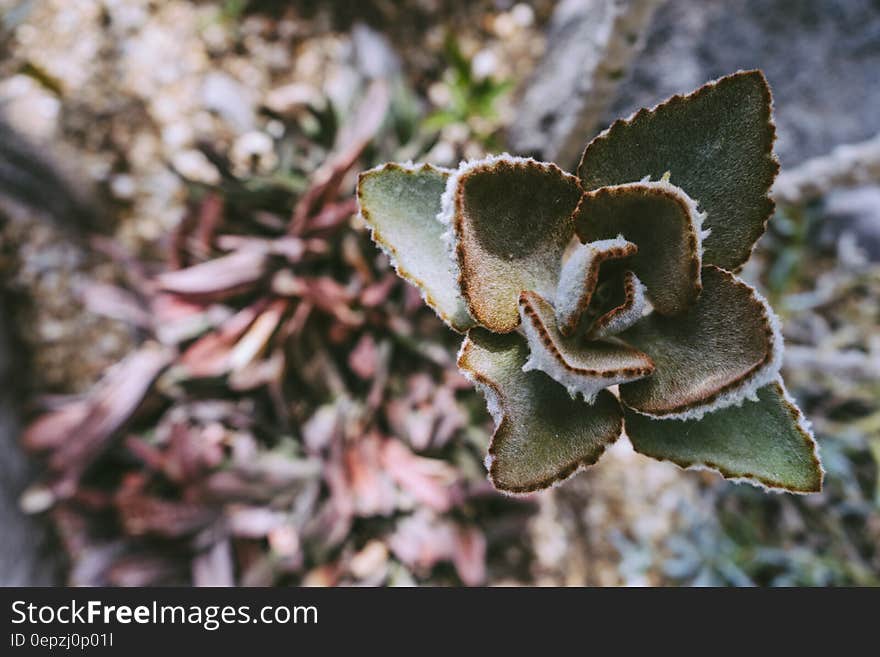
point(622, 275)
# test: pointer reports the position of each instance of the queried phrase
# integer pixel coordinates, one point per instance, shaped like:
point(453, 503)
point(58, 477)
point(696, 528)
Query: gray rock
point(589, 43)
point(822, 58)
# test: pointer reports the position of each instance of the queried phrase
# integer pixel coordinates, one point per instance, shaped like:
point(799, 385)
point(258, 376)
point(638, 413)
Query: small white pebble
point(484, 64)
point(443, 154)
point(504, 25)
point(123, 187)
point(522, 14)
point(439, 95)
point(193, 165)
point(275, 128)
point(253, 148)
point(177, 135)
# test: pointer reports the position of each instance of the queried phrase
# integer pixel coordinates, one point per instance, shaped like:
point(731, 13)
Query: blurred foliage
point(739, 537)
point(824, 540)
point(472, 99)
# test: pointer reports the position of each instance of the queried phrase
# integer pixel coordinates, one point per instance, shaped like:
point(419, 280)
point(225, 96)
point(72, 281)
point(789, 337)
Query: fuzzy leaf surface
point(542, 435)
point(714, 355)
point(716, 142)
point(581, 366)
point(400, 204)
point(665, 225)
point(511, 222)
point(580, 276)
point(765, 442)
point(627, 305)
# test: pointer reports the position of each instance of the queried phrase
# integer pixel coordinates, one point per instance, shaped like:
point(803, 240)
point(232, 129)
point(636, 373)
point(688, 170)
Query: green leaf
point(400, 204)
point(765, 442)
point(627, 305)
point(580, 276)
point(665, 225)
point(719, 352)
point(578, 365)
point(717, 143)
point(511, 222)
point(542, 435)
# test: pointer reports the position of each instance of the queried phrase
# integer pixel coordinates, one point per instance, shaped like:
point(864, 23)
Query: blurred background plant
point(468, 95)
point(228, 385)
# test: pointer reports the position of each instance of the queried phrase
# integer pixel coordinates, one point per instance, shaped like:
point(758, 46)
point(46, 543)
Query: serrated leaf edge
point(744, 387)
point(573, 379)
point(600, 251)
point(684, 98)
point(375, 235)
point(495, 404)
point(626, 314)
point(804, 428)
point(689, 206)
point(449, 204)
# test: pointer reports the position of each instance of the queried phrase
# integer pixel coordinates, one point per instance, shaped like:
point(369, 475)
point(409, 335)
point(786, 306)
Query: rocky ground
point(194, 125)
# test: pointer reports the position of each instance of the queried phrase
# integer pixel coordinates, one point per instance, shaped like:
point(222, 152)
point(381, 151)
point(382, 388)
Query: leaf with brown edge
point(542, 435)
point(400, 204)
point(765, 442)
point(664, 223)
point(628, 304)
point(719, 352)
point(717, 143)
point(580, 276)
point(510, 222)
point(580, 366)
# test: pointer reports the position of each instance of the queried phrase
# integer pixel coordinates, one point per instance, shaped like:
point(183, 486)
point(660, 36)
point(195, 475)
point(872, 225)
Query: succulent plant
point(622, 275)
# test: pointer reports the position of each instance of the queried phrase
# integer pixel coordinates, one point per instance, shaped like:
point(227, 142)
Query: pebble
point(193, 165)
point(232, 101)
